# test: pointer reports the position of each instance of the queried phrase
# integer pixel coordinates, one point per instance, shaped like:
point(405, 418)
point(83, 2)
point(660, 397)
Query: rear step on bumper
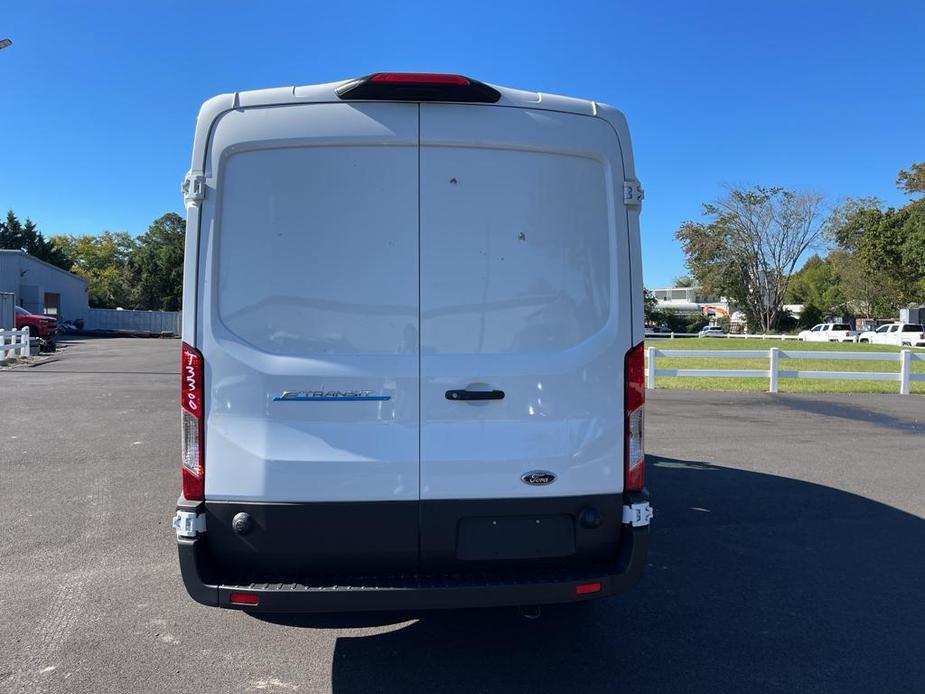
point(422, 592)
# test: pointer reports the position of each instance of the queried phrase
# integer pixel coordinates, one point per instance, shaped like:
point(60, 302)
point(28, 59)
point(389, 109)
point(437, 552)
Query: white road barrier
point(18, 343)
point(774, 373)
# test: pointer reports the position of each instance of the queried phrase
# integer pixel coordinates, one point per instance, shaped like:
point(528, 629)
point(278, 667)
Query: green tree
point(817, 283)
point(787, 322)
point(810, 316)
point(913, 248)
point(913, 180)
point(887, 247)
point(37, 246)
point(653, 316)
point(27, 237)
point(695, 322)
point(11, 232)
point(674, 321)
point(750, 246)
point(156, 265)
point(103, 261)
point(859, 288)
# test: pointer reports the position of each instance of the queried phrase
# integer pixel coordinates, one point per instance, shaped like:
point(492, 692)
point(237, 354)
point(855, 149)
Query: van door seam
point(420, 340)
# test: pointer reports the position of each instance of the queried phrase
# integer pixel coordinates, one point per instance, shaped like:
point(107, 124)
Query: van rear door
point(308, 282)
point(525, 307)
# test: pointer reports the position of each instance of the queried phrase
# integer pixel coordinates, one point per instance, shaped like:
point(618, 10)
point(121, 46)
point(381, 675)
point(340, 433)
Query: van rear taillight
point(191, 423)
point(634, 400)
point(417, 86)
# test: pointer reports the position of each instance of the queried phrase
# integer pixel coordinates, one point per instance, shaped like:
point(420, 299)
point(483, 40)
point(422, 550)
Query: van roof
point(213, 108)
point(318, 93)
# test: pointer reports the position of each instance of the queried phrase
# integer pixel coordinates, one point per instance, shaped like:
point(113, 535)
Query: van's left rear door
point(308, 280)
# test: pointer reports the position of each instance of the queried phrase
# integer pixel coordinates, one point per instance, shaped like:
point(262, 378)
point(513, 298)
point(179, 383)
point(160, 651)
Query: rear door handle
point(475, 395)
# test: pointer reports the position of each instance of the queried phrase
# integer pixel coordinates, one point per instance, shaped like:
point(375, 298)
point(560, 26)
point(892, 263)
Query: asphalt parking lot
point(788, 554)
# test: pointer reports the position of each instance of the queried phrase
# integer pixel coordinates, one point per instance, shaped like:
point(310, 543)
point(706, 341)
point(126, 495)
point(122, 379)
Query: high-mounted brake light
point(634, 400)
point(417, 86)
point(191, 423)
point(418, 78)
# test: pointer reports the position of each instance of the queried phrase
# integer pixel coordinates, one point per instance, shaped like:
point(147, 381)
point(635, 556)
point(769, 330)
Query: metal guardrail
point(774, 373)
point(19, 342)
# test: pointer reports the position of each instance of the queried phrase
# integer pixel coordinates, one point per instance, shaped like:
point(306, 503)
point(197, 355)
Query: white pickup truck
point(899, 334)
point(829, 332)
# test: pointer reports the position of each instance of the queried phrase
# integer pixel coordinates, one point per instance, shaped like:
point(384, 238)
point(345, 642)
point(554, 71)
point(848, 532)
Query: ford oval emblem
point(538, 477)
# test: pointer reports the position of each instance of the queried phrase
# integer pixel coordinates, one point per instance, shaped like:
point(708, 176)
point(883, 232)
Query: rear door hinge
point(189, 524)
point(633, 193)
point(637, 514)
point(193, 188)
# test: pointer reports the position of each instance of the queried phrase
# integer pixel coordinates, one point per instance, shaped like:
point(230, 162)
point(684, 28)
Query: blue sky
point(99, 99)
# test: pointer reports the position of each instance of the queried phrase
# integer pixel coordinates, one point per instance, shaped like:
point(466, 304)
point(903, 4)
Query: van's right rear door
point(526, 292)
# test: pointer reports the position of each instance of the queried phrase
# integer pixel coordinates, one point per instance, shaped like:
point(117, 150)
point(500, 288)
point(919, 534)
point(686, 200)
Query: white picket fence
point(774, 373)
point(731, 336)
point(18, 343)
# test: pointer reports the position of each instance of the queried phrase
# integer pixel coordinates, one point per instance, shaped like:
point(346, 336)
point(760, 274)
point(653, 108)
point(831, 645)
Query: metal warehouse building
point(43, 288)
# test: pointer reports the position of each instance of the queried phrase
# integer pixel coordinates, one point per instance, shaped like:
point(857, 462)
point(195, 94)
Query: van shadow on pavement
point(755, 583)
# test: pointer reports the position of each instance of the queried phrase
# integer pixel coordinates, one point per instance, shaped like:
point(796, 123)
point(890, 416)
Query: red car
point(39, 326)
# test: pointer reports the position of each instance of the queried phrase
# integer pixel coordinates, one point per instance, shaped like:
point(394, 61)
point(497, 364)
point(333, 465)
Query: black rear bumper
point(531, 583)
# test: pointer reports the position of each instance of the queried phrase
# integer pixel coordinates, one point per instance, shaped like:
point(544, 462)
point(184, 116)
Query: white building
point(43, 288)
point(691, 300)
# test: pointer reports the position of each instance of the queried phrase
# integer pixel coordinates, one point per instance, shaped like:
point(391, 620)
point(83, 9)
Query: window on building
point(52, 304)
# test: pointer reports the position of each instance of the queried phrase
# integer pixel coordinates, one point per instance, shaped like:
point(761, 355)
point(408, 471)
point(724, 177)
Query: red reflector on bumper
point(586, 588)
point(244, 599)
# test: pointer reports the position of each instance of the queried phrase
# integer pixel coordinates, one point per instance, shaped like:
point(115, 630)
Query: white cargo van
point(412, 365)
